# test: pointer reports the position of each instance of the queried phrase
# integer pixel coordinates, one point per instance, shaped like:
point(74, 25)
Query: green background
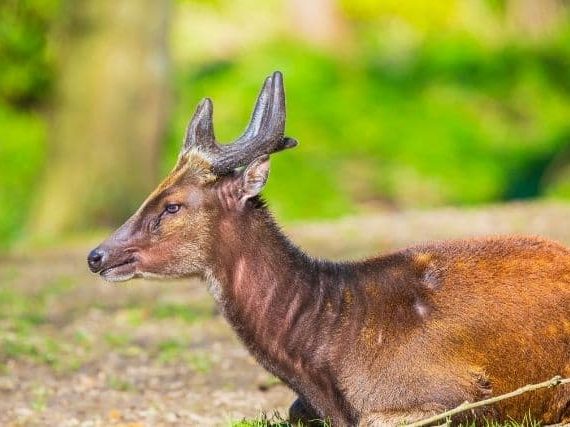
point(422, 104)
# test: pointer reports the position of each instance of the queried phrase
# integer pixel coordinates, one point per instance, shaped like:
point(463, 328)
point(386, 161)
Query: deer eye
point(172, 208)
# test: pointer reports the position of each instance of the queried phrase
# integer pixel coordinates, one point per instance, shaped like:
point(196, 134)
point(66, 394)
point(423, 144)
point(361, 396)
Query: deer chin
point(121, 272)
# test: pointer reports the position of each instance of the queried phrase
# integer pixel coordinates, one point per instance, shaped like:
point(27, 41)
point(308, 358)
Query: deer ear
point(254, 177)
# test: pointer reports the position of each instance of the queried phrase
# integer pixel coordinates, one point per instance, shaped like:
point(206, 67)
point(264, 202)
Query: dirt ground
point(76, 351)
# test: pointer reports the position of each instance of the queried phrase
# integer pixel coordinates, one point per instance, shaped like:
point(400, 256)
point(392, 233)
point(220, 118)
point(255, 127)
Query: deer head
point(172, 233)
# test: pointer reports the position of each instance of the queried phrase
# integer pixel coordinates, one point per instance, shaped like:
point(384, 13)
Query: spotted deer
point(383, 341)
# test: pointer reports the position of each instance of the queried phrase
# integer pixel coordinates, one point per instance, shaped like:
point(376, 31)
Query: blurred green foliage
point(398, 121)
point(26, 71)
point(26, 78)
point(455, 122)
point(22, 147)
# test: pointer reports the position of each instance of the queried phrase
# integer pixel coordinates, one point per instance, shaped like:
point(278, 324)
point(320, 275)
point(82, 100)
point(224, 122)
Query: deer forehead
point(192, 168)
point(194, 164)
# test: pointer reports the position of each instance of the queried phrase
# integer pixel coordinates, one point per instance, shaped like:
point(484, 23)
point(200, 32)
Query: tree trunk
point(109, 115)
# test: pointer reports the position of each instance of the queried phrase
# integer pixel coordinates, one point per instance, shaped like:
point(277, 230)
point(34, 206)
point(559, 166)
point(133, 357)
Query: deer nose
point(95, 259)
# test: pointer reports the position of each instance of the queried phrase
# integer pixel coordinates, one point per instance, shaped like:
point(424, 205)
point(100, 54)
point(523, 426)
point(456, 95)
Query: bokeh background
point(395, 104)
point(417, 120)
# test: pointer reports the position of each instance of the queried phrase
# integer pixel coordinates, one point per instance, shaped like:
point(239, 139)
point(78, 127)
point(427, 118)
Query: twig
point(557, 380)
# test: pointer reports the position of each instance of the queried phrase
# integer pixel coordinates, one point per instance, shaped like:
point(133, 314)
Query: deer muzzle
point(113, 264)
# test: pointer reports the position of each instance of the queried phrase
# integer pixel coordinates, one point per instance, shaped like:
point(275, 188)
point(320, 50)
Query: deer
point(383, 341)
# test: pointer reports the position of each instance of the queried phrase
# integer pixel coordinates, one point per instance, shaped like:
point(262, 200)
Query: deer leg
point(302, 414)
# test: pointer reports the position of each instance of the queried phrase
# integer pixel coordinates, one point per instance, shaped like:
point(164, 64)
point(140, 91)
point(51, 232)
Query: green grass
point(265, 420)
point(177, 351)
point(40, 395)
point(23, 317)
point(189, 313)
point(119, 384)
point(277, 420)
point(526, 422)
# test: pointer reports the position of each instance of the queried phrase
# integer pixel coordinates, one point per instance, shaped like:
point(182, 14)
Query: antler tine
point(277, 123)
point(264, 135)
point(200, 131)
point(261, 119)
point(276, 120)
point(259, 110)
point(279, 113)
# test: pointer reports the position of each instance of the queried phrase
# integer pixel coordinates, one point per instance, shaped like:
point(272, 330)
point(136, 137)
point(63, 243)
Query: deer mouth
point(120, 272)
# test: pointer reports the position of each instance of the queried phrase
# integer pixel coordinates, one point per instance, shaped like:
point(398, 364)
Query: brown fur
point(378, 342)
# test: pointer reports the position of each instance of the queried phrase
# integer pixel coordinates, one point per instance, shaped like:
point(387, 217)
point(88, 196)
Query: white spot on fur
point(421, 309)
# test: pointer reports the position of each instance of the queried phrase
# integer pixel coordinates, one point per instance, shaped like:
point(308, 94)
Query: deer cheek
point(154, 257)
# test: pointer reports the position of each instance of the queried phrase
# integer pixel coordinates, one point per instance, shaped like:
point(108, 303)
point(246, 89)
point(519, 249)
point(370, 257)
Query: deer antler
point(264, 134)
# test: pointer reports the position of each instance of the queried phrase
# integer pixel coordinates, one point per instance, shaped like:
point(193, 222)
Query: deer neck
point(264, 286)
point(255, 272)
point(282, 304)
